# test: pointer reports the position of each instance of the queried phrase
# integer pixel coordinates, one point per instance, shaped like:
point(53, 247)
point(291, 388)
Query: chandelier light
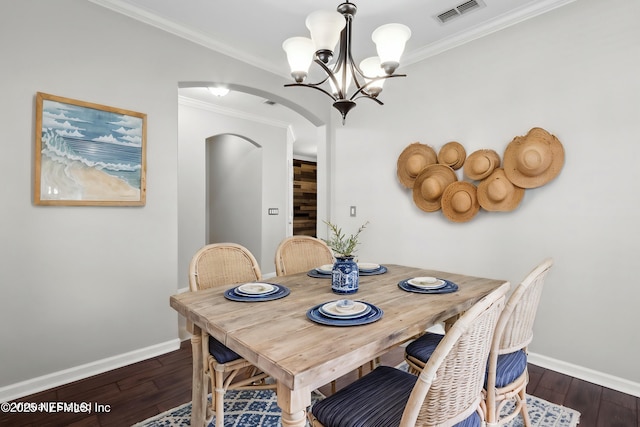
point(327, 28)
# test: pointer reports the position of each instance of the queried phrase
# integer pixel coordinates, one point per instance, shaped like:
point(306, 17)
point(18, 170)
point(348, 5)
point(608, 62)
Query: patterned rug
point(260, 409)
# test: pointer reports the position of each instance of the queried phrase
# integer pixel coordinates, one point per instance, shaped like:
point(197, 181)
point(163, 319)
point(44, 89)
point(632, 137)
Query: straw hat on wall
point(497, 194)
point(412, 160)
point(460, 201)
point(452, 154)
point(430, 185)
point(480, 164)
point(534, 159)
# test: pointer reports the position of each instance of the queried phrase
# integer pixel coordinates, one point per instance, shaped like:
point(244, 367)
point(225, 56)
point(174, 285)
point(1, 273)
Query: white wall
point(574, 72)
point(85, 289)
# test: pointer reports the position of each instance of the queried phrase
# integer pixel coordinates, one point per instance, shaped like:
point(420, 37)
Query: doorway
point(234, 191)
point(305, 197)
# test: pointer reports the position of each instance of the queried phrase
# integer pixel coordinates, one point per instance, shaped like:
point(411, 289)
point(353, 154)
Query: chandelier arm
point(344, 58)
point(312, 86)
point(331, 75)
point(361, 89)
point(364, 95)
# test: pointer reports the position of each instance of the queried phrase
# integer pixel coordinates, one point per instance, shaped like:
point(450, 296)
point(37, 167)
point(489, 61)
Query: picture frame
point(88, 154)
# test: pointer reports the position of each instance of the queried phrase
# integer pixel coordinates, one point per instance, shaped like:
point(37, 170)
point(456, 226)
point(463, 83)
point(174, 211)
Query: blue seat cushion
point(376, 400)
point(509, 367)
point(221, 352)
point(422, 348)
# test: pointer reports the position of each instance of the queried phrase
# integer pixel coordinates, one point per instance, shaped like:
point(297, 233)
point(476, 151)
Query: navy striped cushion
point(509, 367)
point(376, 400)
point(221, 352)
point(423, 347)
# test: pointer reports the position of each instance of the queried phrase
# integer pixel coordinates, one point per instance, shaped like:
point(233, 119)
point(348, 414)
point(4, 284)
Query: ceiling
point(253, 32)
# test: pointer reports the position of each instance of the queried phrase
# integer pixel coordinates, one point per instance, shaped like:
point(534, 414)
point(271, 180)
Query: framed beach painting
point(88, 154)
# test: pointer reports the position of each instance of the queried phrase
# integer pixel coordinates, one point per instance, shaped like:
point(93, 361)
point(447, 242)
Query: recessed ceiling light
point(218, 91)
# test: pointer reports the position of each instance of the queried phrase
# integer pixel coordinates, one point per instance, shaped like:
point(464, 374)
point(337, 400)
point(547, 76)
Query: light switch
point(352, 211)
point(274, 211)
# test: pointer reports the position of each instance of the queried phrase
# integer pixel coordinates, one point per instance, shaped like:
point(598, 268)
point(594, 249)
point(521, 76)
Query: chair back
point(297, 254)
point(222, 264)
point(515, 328)
point(449, 388)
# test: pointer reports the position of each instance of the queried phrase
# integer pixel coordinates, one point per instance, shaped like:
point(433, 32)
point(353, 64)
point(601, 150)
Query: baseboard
point(55, 379)
point(586, 374)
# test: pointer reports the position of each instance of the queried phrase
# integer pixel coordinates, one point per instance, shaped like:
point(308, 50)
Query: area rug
point(260, 409)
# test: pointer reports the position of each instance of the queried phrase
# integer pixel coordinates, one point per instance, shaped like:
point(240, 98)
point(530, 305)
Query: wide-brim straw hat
point(452, 154)
point(412, 160)
point(534, 159)
point(460, 201)
point(480, 164)
point(430, 185)
point(497, 194)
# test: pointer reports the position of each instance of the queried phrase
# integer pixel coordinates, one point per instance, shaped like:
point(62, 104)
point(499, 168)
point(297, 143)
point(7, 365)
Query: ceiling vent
point(459, 10)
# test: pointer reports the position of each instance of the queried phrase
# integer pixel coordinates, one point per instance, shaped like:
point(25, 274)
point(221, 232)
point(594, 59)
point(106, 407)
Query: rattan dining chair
point(507, 374)
point(447, 392)
point(222, 265)
point(297, 254)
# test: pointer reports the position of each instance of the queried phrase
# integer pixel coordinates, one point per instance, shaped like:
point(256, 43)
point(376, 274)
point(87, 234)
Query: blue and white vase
point(344, 276)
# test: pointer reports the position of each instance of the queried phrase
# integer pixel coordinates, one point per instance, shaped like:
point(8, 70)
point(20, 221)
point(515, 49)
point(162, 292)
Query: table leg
point(293, 404)
point(198, 394)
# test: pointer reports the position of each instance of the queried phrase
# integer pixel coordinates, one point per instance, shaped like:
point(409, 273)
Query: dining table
point(280, 337)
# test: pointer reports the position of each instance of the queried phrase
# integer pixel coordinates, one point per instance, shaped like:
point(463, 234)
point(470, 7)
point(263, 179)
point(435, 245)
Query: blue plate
point(446, 289)
point(315, 315)
point(282, 292)
point(381, 270)
point(321, 275)
point(318, 274)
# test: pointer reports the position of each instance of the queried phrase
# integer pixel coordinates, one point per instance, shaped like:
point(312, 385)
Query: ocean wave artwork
point(89, 154)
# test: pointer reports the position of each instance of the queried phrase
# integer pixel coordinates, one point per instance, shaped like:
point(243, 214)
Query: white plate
point(327, 268)
point(368, 266)
point(427, 282)
point(256, 288)
point(331, 310)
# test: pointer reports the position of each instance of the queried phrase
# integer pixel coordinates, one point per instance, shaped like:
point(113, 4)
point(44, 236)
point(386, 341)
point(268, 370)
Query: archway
point(199, 121)
point(234, 191)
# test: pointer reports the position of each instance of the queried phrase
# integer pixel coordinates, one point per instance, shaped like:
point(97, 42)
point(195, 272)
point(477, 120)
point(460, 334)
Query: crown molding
point(501, 22)
point(181, 31)
point(202, 105)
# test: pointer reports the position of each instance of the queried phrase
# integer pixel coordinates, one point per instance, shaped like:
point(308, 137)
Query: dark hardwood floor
point(139, 391)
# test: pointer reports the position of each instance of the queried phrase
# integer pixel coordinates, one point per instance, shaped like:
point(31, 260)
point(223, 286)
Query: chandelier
point(327, 28)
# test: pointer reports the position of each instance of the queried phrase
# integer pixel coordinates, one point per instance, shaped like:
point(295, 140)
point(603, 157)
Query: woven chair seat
point(509, 368)
point(377, 399)
point(221, 352)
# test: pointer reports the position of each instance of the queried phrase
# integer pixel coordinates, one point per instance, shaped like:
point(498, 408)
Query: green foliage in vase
point(340, 243)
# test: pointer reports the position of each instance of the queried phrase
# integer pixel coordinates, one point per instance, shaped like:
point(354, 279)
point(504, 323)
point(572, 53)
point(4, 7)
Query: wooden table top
point(277, 336)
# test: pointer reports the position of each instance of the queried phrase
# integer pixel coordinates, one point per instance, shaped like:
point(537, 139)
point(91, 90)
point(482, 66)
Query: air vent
point(459, 10)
